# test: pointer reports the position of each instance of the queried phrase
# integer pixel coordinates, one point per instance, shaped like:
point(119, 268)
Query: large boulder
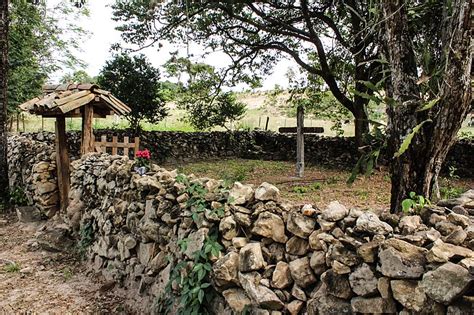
point(401, 260)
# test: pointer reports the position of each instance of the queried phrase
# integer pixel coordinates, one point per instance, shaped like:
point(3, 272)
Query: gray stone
point(402, 260)
point(459, 219)
point(195, 242)
point(337, 285)
point(300, 225)
point(281, 277)
point(375, 305)
point(369, 222)
point(318, 262)
point(146, 252)
point(251, 258)
point(363, 281)
point(334, 212)
point(28, 214)
point(446, 283)
point(267, 192)
point(228, 228)
point(270, 225)
point(327, 304)
point(368, 251)
point(259, 294)
point(226, 269)
point(443, 252)
point(237, 299)
point(410, 224)
point(297, 246)
point(240, 194)
point(294, 307)
point(301, 272)
point(409, 294)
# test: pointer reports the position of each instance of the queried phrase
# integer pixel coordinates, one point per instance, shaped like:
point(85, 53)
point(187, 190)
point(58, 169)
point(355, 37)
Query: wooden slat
point(74, 96)
point(77, 103)
point(125, 149)
point(137, 145)
point(114, 145)
point(120, 104)
point(62, 163)
point(29, 105)
point(87, 132)
point(305, 129)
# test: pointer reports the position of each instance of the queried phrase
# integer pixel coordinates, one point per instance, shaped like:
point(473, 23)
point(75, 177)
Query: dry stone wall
point(32, 171)
point(250, 252)
point(172, 147)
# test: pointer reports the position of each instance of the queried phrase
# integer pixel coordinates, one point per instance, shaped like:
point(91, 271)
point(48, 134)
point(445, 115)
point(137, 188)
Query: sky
point(96, 48)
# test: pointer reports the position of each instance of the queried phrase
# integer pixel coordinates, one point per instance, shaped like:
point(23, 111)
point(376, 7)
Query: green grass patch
point(12, 267)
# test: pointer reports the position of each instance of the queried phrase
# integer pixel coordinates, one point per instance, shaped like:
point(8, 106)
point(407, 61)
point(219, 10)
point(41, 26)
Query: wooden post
point(87, 130)
point(42, 123)
point(300, 141)
point(266, 125)
point(62, 163)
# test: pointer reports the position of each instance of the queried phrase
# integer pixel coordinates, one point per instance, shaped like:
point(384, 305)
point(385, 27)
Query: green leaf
point(407, 205)
point(406, 142)
point(369, 85)
point(428, 105)
point(201, 296)
point(412, 194)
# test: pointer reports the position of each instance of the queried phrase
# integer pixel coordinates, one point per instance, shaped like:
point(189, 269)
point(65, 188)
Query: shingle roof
point(66, 98)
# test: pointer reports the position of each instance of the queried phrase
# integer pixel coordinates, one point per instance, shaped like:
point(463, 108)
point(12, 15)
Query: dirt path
point(42, 282)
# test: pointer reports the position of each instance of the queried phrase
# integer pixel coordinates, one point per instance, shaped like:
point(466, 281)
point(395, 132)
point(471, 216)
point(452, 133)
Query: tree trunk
point(361, 121)
point(3, 101)
point(418, 167)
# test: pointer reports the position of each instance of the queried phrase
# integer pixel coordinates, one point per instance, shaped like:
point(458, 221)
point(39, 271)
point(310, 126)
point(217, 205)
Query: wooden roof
point(67, 99)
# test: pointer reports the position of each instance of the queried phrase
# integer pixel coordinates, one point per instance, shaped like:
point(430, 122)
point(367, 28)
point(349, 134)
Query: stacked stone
point(277, 257)
point(32, 168)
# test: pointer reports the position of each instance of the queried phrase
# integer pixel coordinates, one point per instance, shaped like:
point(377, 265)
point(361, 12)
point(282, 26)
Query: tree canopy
point(134, 81)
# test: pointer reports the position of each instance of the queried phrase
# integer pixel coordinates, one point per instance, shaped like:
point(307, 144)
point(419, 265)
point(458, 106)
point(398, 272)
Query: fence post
point(266, 125)
point(300, 141)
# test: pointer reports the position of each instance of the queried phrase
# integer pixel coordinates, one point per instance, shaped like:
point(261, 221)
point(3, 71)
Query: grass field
point(319, 185)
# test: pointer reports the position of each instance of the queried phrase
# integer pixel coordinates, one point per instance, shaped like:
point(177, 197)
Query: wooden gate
point(102, 145)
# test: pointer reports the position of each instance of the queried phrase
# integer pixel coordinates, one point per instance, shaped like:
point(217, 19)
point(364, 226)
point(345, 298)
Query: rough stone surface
point(271, 226)
point(334, 212)
point(301, 272)
point(251, 257)
point(446, 283)
point(370, 223)
point(267, 192)
point(363, 281)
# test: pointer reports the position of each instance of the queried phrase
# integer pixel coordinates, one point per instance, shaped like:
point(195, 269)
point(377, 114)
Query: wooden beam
point(300, 141)
point(87, 131)
point(305, 130)
point(62, 163)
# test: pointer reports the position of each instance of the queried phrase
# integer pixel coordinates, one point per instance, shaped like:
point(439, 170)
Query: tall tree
point(426, 110)
point(135, 81)
point(326, 38)
point(3, 101)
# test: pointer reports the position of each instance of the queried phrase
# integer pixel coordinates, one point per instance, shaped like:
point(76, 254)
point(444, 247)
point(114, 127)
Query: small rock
point(270, 225)
point(300, 225)
point(240, 194)
point(340, 268)
point(337, 285)
point(459, 219)
point(309, 211)
point(363, 281)
point(266, 192)
point(301, 272)
point(443, 252)
point(226, 269)
point(298, 293)
point(368, 251)
point(456, 237)
point(228, 228)
point(460, 210)
point(410, 224)
point(239, 242)
point(294, 307)
point(369, 222)
point(409, 294)
point(237, 299)
point(402, 260)
point(334, 212)
point(281, 277)
point(318, 262)
point(251, 258)
point(261, 295)
point(297, 246)
point(375, 305)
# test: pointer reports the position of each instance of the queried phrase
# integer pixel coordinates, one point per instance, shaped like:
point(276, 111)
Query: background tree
point(4, 194)
point(426, 108)
point(202, 97)
point(134, 81)
point(326, 38)
point(79, 76)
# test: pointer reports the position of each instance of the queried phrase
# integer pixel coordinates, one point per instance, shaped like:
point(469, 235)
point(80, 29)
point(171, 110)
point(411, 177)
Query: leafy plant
point(12, 267)
point(300, 189)
point(415, 202)
point(448, 190)
point(86, 234)
point(18, 196)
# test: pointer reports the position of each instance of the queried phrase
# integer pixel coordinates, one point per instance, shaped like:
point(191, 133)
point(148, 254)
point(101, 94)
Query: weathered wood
point(87, 131)
point(266, 124)
point(125, 149)
point(300, 141)
point(4, 194)
point(74, 96)
point(77, 103)
point(62, 163)
point(114, 145)
point(102, 145)
point(305, 130)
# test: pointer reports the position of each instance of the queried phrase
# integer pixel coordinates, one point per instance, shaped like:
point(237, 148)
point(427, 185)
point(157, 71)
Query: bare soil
point(42, 282)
